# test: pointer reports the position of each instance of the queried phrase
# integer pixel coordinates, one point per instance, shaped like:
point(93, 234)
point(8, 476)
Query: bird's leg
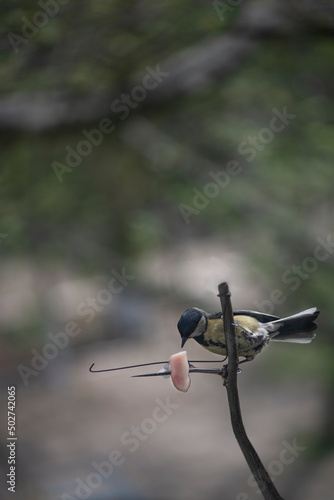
point(248, 358)
point(224, 372)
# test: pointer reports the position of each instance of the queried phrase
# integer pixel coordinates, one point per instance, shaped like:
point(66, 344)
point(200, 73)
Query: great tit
point(253, 330)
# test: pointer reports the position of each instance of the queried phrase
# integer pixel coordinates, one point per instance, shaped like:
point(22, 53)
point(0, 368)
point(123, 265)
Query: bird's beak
point(183, 341)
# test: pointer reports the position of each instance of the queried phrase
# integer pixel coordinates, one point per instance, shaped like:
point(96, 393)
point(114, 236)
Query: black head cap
point(188, 323)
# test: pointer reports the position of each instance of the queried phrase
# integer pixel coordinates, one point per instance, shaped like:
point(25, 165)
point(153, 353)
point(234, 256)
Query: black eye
point(188, 322)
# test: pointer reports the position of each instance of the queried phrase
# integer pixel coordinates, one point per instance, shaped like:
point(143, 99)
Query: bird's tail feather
point(298, 328)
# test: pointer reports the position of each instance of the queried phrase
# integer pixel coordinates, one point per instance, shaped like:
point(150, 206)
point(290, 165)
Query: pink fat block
point(179, 368)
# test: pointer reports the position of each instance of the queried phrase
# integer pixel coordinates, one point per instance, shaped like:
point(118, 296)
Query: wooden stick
point(260, 474)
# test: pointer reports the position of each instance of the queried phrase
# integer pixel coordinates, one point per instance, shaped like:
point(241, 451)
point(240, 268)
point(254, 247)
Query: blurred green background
point(151, 150)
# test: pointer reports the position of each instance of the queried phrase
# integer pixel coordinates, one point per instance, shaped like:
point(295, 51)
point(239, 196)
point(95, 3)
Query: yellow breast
point(214, 337)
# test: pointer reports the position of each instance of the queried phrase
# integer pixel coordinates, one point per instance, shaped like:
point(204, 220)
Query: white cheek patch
point(200, 328)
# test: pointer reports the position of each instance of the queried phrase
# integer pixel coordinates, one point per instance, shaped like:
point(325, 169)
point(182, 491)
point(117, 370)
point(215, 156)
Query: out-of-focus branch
point(260, 474)
point(190, 70)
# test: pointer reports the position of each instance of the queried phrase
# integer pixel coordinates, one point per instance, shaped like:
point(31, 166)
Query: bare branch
point(260, 474)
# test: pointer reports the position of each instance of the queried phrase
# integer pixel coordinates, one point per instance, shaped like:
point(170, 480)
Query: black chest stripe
point(207, 343)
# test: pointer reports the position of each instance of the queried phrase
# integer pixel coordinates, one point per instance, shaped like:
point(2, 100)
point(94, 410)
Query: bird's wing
point(216, 315)
point(262, 317)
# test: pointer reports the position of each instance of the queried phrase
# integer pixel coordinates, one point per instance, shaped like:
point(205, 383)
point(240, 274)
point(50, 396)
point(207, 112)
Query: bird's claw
point(224, 373)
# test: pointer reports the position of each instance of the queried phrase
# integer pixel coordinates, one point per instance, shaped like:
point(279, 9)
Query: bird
point(253, 330)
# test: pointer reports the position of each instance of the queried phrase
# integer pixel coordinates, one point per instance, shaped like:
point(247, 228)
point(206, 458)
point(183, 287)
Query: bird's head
point(192, 323)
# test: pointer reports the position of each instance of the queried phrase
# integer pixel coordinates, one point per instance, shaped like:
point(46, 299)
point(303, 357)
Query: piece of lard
point(179, 368)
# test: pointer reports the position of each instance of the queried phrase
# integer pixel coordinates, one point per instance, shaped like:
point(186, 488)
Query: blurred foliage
point(126, 199)
point(96, 44)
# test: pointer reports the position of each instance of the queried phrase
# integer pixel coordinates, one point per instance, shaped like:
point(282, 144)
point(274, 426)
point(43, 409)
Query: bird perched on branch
point(253, 330)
